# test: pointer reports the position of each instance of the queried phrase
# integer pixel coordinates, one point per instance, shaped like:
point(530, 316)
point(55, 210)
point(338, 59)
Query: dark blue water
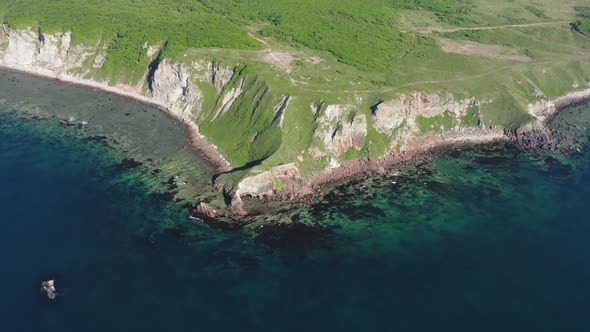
point(493, 240)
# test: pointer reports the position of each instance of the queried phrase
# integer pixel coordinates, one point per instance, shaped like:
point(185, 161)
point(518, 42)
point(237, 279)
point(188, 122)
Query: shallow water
point(477, 240)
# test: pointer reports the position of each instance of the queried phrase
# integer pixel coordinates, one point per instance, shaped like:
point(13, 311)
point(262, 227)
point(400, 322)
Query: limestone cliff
point(341, 127)
point(172, 86)
point(404, 110)
point(48, 54)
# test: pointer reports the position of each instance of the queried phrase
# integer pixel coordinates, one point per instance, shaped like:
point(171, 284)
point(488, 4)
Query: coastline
point(527, 137)
point(196, 140)
point(570, 100)
point(417, 147)
point(531, 137)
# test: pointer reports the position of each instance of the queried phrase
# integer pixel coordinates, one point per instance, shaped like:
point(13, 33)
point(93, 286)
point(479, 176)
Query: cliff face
point(54, 55)
point(341, 128)
point(172, 86)
point(403, 112)
point(43, 54)
point(546, 108)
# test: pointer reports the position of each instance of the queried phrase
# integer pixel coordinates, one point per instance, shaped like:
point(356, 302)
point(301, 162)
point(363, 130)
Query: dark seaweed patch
point(492, 160)
point(95, 138)
point(291, 236)
point(363, 211)
point(556, 167)
point(129, 163)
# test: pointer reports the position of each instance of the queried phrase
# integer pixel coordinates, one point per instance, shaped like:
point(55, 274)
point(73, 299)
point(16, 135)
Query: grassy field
point(507, 53)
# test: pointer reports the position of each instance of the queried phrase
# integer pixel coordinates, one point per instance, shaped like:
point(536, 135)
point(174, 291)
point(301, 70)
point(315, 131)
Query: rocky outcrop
point(22, 48)
point(544, 109)
point(206, 210)
point(284, 177)
point(403, 111)
point(341, 127)
point(230, 97)
point(171, 85)
point(212, 72)
point(48, 54)
point(281, 109)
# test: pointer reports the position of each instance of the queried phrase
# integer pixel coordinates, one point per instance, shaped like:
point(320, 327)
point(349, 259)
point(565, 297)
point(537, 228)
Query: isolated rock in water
point(49, 288)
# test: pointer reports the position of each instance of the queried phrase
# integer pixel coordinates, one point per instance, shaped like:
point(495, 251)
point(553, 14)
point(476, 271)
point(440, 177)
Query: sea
point(482, 238)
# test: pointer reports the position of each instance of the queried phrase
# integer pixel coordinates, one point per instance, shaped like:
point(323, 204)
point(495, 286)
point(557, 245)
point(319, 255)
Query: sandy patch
point(280, 60)
point(477, 49)
point(315, 60)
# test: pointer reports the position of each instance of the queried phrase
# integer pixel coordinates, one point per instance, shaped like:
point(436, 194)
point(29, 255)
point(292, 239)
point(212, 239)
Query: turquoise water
point(476, 240)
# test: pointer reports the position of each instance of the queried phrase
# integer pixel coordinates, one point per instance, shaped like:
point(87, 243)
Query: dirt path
point(260, 41)
point(281, 60)
point(512, 26)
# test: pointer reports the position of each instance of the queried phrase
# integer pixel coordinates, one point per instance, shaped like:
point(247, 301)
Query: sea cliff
point(266, 140)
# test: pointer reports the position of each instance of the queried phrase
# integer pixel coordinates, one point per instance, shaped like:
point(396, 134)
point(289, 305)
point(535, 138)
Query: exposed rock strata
point(280, 178)
point(212, 72)
point(341, 128)
point(404, 110)
point(41, 54)
point(547, 108)
point(172, 86)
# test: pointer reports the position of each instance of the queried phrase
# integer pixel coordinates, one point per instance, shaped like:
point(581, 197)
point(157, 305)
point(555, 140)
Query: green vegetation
point(536, 11)
point(445, 121)
point(452, 12)
point(279, 185)
point(359, 33)
point(582, 24)
point(471, 119)
point(255, 132)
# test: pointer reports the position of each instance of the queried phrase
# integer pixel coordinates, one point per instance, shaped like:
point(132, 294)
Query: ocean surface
point(478, 239)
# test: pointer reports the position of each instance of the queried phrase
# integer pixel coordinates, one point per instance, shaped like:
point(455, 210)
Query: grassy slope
point(369, 50)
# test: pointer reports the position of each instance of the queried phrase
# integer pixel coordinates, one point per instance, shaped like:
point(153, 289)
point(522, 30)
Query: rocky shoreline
point(422, 146)
point(281, 210)
point(536, 136)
